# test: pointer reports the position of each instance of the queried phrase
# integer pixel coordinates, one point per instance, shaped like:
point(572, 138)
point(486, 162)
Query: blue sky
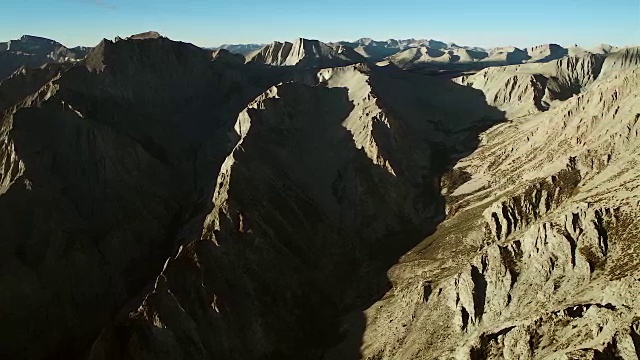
point(212, 22)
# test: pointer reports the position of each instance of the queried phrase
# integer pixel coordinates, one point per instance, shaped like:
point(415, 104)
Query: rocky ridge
point(33, 51)
point(304, 53)
point(90, 214)
point(537, 256)
point(194, 206)
point(526, 89)
point(325, 171)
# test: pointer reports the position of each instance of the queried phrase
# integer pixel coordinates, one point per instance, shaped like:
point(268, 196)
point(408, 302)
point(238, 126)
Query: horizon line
point(332, 41)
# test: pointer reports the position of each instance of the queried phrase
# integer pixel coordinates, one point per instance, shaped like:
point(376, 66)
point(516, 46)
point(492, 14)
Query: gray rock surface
point(34, 51)
point(537, 258)
point(526, 89)
point(242, 49)
point(228, 56)
point(314, 164)
point(163, 201)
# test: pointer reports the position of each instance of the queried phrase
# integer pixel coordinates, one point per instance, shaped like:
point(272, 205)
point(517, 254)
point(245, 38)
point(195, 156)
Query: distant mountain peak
point(37, 39)
point(146, 35)
point(228, 56)
point(304, 53)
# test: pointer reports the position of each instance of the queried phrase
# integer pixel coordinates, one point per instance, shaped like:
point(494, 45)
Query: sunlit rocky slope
point(162, 201)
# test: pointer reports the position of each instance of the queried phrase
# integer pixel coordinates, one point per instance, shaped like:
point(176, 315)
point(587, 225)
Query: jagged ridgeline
point(34, 51)
point(306, 201)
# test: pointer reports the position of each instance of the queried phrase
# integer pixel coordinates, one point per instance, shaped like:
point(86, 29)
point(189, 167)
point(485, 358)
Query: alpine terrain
point(400, 199)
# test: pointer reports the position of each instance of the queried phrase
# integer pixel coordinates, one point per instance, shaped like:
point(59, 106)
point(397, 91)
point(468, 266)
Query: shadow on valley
point(148, 228)
point(454, 138)
point(100, 178)
point(308, 213)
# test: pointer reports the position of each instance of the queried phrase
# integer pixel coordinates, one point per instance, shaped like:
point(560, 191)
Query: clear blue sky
point(212, 22)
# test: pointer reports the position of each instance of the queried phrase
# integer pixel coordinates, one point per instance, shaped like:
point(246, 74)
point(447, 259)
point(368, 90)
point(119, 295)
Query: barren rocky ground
point(310, 201)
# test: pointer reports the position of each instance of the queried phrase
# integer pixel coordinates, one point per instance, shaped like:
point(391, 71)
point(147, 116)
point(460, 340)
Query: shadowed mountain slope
point(304, 53)
point(538, 255)
point(298, 195)
point(163, 201)
point(102, 162)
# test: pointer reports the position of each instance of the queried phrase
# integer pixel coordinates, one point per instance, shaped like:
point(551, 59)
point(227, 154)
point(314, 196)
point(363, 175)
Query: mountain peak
point(146, 35)
point(160, 51)
point(37, 39)
point(304, 53)
point(34, 51)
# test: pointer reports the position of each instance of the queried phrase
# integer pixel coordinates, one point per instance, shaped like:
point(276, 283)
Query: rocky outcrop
point(519, 211)
point(532, 297)
point(517, 93)
point(571, 75)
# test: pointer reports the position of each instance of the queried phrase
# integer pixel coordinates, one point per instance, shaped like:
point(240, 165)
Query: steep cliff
point(309, 210)
point(526, 89)
point(101, 164)
point(160, 201)
point(538, 255)
point(34, 51)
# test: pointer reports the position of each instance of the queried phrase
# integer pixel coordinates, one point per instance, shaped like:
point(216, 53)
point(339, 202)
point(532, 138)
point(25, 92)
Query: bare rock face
point(526, 89)
point(297, 196)
point(454, 57)
point(242, 49)
point(627, 58)
point(102, 164)
point(537, 257)
point(304, 53)
point(517, 93)
point(34, 51)
point(546, 53)
point(162, 201)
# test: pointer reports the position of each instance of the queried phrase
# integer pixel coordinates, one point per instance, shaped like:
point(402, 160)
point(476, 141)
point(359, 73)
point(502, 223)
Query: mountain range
point(422, 53)
point(413, 54)
point(319, 201)
point(34, 51)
